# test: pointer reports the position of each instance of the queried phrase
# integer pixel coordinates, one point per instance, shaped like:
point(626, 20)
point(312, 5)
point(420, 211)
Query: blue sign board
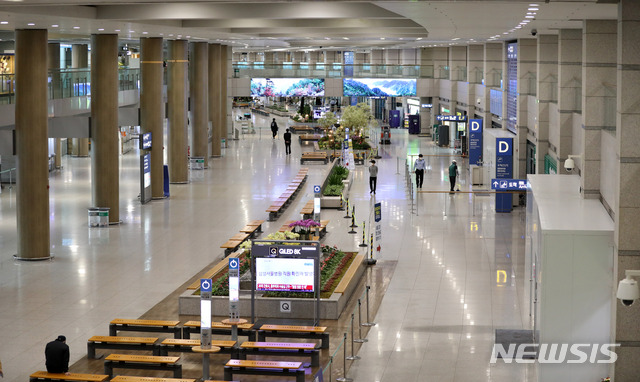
point(316, 189)
point(509, 184)
point(377, 211)
point(475, 142)
point(234, 263)
point(504, 170)
point(454, 118)
point(145, 141)
point(205, 285)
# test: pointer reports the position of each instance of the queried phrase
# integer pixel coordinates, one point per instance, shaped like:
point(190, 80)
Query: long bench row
point(285, 199)
point(318, 156)
point(251, 230)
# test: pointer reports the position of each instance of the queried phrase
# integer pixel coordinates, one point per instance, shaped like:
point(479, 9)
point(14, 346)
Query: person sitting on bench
point(57, 355)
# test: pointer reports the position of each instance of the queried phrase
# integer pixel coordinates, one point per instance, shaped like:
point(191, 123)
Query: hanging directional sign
point(509, 184)
point(455, 118)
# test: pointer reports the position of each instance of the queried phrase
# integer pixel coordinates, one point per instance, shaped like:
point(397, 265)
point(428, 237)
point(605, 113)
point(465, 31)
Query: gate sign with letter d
point(475, 142)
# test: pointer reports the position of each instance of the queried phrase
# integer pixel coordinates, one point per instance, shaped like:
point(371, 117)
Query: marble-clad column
point(547, 93)
point(569, 92)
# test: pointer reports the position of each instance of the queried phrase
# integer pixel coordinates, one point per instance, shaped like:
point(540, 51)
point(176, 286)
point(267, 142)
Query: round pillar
point(199, 88)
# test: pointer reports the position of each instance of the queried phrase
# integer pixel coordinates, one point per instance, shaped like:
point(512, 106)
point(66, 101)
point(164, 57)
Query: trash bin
point(98, 217)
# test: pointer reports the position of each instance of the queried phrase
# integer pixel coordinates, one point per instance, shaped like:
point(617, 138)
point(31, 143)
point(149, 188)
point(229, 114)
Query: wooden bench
point(292, 331)
point(234, 242)
point(126, 378)
point(344, 282)
point(186, 346)
point(144, 362)
point(285, 227)
point(144, 326)
point(190, 327)
point(46, 376)
point(319, 156)
point(125, 343)
point(296, 129)
point(238, 366)
point(305, 138)
point(290, 349)
point(307, 210)
point(253, 228)
point(286, 197)
point(211, 272)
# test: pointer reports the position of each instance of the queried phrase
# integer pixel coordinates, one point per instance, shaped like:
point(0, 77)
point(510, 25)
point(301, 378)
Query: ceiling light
point(519, 27)
point(531, 13)
point(145, 32)
point(54, 26)
point(381, 38)
point(419, 38)
point(76, 27)
point(171, 35)
point(345, 38)
point(529, 17)
point(161, 34)
point(4, 22)
point(505, 32)
point(100, 29)
point(188, 36)
point(31, 24)
point(526, 21)
point(533, 9)
point(117, 30)
point(456, 38)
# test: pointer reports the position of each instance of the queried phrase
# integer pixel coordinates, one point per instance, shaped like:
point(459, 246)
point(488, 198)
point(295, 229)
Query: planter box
point(301, 308)
point(334, 201)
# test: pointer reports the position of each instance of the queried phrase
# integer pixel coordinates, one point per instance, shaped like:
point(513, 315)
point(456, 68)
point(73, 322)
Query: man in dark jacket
point(274, 128)
point(57, 355)
point(287, 142)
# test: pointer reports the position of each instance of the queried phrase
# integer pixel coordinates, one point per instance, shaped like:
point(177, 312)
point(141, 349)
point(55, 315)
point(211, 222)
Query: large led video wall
point(379, 87)
point(287, 87)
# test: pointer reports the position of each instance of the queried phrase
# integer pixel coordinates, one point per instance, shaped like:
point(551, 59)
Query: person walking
point(287, 142)
point(373, 176)
point(57, 355)
point(274, 128)
point(453, 173)
point(419, 166)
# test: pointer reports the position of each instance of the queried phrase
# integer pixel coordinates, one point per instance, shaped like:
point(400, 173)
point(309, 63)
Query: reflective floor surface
point(456, 266)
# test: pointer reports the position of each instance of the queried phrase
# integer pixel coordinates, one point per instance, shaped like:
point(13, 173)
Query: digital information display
point(379, 87)
point(285, 274)
point(287, 87)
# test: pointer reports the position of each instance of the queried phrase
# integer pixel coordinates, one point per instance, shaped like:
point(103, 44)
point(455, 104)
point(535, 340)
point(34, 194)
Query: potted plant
point(304, 228)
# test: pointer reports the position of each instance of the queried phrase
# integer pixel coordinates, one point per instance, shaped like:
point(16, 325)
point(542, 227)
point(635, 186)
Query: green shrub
point(342, 171)
point(333, 190)
point(334, 179)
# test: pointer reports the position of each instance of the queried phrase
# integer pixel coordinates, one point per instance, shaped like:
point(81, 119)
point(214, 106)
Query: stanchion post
point(360, 340)
point(371, 247)
point(341, 208)
point(353, 224)
point(353, 217)
point(397, 165)
point(330, 368)
point(347, 215)
point(364, 237)
point(352, 357)
point(344, 363)
point(368, 323)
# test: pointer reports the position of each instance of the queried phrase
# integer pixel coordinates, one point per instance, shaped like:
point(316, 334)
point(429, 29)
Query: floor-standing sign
point(475, 142)
point(348, 160)
point(377, 213)
point(145, 168)
point(504, 170)
point(316, 205)
point(205, 313)
point(234, 288)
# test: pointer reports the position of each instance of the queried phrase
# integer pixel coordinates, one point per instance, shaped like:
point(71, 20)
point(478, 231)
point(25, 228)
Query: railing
point(335, 70)
point(65, 83)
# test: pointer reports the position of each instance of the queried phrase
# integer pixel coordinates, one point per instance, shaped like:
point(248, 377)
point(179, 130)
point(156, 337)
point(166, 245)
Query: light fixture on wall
point(628, 290)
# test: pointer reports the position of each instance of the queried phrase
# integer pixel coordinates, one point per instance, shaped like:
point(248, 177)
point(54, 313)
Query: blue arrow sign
point(234, 263)
point(205, 285)
point(509, 184)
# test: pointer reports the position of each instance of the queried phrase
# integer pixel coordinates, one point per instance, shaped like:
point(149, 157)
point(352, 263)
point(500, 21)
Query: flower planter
point(301, 308)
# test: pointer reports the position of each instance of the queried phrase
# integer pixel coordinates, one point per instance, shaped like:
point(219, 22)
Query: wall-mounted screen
point(287, 87)
point(284, 274)
point(379, 87)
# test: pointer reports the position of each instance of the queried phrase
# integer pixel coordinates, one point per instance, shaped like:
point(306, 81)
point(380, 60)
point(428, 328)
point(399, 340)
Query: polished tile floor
point(457, 275)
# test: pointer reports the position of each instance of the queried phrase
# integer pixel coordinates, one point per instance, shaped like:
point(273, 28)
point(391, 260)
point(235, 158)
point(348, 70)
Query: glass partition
point(329, 70)
point(7, 88)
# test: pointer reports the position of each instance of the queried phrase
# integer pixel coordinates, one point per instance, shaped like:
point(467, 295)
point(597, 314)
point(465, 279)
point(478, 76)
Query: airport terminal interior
point(538, 97)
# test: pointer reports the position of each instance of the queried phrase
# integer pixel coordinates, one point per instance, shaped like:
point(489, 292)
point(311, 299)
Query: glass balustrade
point(333, 70)
point(65, 83)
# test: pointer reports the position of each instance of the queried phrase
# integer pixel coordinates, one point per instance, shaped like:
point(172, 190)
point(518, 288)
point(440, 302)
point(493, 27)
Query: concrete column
point(547, 89)
point(627, 215)
point(177, 65)
point(527, 87)
point(225, 103)
point(493, 60)
point(475, 65)
point(80, 59)
point(569, 92)
point(377, 56)
point(440, 58)
point(199, 90)
point(105, 149)
point(32, 198)
point(151, 108)
point(599, 38)
point(269, 57)
point(215, 98)
point(53, 64)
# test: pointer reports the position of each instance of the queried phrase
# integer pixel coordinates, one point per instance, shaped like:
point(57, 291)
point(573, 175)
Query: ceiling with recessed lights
point(302, 25)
